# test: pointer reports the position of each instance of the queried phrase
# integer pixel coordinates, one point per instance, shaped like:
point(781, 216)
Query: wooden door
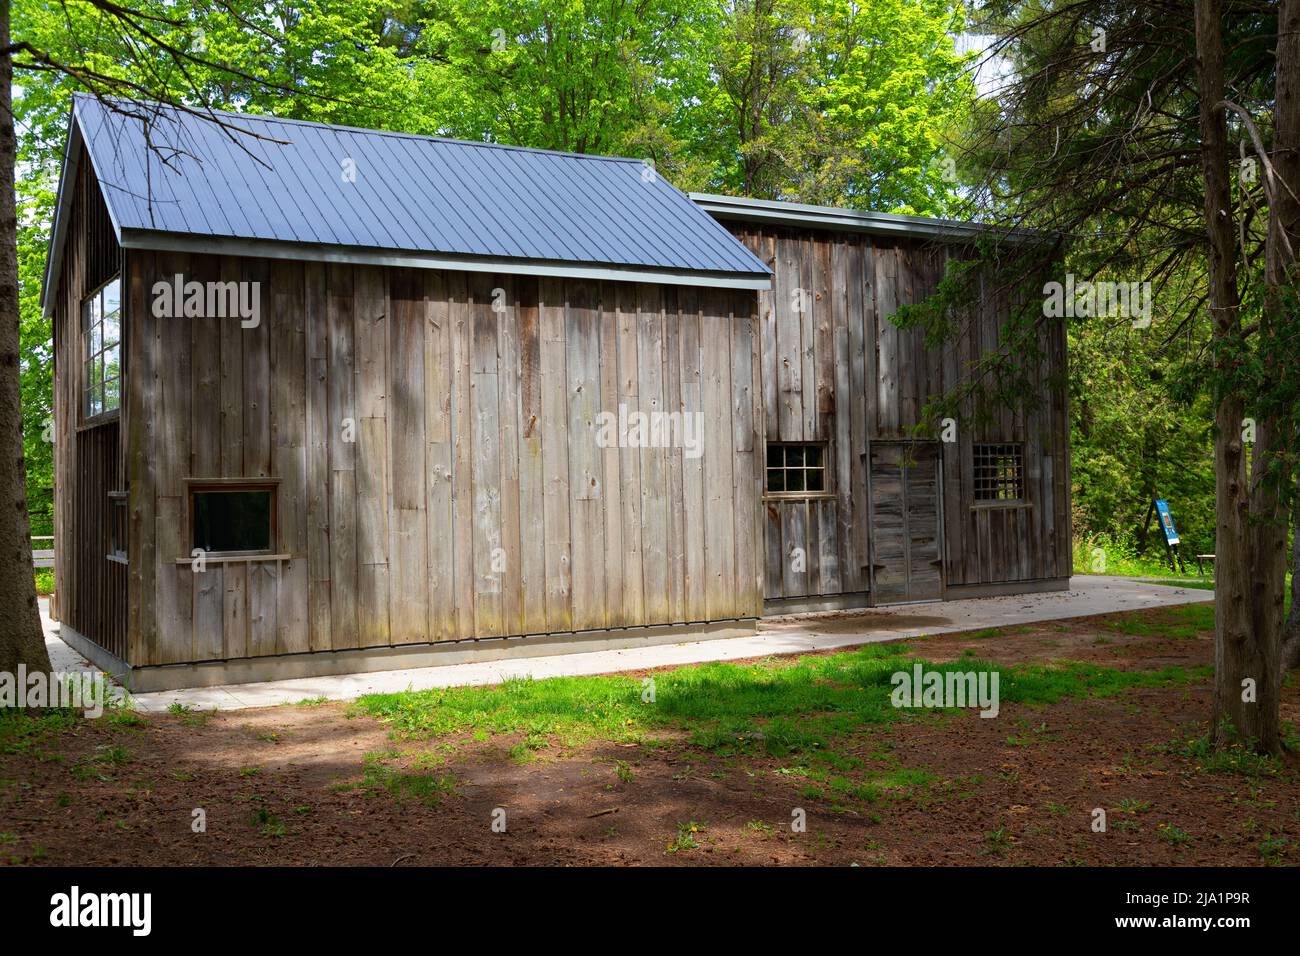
point(905, 508)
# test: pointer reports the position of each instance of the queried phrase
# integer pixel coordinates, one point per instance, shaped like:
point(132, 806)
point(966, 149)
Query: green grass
point(427, 788)
point(100, 764)
point(780, 707)
point(1235, 759)
point(1100, 555)
point(270, 825)
point(1174, 836)
point(44, 581)
point(23, 733)
point(686, 833)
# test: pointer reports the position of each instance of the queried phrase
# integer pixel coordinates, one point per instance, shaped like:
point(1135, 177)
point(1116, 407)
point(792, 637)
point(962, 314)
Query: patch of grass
point(1174, 836)
point(1272, 849)
point(686, 837)
point(1133, 805)
point(97, 765)
point(123, 716)
point(312, 702)
point(997, 842)
point(1199, 584)
point(1233, 759)
point(44, 581)
point(26, 733)
point(189, 715)
point(270, 825)
point(793, 706)
point(427, 788)
point(1120, 558)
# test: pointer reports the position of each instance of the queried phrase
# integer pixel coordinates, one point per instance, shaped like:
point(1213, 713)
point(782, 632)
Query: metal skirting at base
point(106, 661)
point(811, 604)
point(253, 670)
point(960, 592)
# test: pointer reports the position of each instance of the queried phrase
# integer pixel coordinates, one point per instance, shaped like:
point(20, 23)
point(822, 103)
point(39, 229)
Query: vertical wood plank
point(555, 456)
point(408, 609)
point(532, 484)
point(586, 464)
point(319, 437)
point(343, 437)
point(288, 346)
point(440, 522)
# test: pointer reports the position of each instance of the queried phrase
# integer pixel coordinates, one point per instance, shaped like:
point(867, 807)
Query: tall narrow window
point(117, 545)
point(1000, 472)
point(101, 328)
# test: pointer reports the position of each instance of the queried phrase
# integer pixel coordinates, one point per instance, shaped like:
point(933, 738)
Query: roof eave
point(852, 220)
point(62, 200)
point(278, 249)
point(63, 203)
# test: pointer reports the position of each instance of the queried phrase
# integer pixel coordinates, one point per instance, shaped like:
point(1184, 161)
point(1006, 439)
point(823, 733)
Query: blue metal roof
point(414, 199)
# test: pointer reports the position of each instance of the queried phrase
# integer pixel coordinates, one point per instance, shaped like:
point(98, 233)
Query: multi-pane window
point(101, 330)
point(238, 520)
point(1000, 472)
point(796, 469)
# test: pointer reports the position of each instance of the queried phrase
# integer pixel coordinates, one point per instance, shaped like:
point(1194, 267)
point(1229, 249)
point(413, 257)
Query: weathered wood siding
point(90, 590)
point(473, 498)
point(836, 370)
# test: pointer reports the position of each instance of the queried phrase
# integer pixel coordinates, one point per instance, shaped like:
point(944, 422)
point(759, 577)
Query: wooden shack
point(895, 518)
point(330, 400)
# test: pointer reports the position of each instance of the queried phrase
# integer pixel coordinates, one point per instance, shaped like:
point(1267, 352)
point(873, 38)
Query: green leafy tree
point(835, 102)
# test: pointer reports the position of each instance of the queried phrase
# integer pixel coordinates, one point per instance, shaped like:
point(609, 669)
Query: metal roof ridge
point(200, 111)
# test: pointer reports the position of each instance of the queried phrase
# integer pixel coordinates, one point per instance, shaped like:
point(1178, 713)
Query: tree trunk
point(21, 641)
point(1283, 243)
point(1291, 633)
point(1246, 681)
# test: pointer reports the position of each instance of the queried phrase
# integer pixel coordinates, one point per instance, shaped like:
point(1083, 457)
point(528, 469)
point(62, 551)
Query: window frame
point(194, 486)
point(87, 358)
point(989, 457)
point(826, 491)
point(118, 508)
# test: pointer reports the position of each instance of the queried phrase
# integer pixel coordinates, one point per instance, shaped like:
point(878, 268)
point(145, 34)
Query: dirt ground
point(281, 786)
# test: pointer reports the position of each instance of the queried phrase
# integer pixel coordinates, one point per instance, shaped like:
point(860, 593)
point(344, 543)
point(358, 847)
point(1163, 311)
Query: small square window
point(232, 520)
point(1000, 472)
point(796, 469)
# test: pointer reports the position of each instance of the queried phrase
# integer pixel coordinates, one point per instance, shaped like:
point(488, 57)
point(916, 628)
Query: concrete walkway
point(1088, 594)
